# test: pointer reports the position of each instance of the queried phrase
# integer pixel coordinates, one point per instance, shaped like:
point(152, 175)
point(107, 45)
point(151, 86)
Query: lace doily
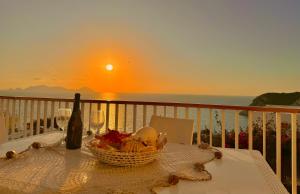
point(57, 170)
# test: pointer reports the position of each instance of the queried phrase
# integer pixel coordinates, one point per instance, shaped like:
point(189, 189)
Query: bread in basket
point(126, 149)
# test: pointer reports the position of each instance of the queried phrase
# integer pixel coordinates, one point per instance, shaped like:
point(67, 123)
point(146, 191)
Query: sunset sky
point(231, 47)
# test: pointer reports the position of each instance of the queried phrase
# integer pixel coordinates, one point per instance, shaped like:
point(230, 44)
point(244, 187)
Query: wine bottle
point(74, 132)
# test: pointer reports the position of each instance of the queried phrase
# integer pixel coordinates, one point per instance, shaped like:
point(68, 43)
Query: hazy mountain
point(286, 99)
point(278, 99)
point(48, 91)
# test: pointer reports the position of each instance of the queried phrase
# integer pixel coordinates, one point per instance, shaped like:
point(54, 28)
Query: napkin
point(3, 129)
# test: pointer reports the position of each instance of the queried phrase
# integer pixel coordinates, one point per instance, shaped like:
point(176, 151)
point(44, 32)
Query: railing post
point(7, 114)
point(19, 117)
point(90, 115)
point(38, 115)
point(198, 126)
point(264, 127)
point(210, 127)
point(294, 152)
point(98, 106)
point(107, 115)
point(82, 116)
point(175, 112)
point(154, 110)
point(250, 130)
point(25, 118)
point(45, 123)
point(116, 116)
point(13, 118)
point(31, 117)
point(82, 110)
point(1, 105)
point(144, 115)
point(165, 111)
point(223, 128)
point(7, 106)
point(134, 118)
point(125, 117)
point(186, 112)
point(278, 145)
point(67, 105)
point(52, 115)
point(236, 129)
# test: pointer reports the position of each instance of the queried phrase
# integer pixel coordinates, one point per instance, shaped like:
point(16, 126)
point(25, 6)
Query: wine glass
point(62, 118)
point(97, 120)
point(162, 139)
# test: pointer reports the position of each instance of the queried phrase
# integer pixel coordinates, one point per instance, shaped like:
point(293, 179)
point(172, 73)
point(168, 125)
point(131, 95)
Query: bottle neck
point(76, 106)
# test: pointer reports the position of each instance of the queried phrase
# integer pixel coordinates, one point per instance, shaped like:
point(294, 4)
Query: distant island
point(50, 91)
point(279, 99)
point(285, 99)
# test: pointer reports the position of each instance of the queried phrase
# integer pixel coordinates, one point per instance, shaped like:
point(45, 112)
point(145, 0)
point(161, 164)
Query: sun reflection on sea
point(108, 96)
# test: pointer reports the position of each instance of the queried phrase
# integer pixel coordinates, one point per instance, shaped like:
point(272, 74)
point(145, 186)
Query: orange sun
point(109, 67)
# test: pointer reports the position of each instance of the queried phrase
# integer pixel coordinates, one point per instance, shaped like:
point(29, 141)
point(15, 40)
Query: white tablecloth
point(238, 172)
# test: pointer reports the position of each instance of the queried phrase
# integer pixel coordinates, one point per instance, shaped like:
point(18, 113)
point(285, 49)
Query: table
point(239, 171)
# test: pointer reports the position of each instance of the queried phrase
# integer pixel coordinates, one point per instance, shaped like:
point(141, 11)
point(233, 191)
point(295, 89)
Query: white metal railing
point(31, 116)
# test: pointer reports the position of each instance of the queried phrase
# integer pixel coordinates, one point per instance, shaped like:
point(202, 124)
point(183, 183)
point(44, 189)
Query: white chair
point(178, 130)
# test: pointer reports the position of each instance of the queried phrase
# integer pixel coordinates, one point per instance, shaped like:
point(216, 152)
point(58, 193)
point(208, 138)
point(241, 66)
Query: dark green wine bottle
point(74, 132)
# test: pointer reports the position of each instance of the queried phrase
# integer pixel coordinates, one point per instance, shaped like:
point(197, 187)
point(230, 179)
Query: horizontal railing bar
point(209, 106)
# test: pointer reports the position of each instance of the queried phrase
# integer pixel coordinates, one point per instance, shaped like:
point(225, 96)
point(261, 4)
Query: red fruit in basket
point(124, 135)
point(113, 138)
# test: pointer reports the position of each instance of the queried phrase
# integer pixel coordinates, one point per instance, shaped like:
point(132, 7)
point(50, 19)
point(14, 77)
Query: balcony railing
point(37, 115)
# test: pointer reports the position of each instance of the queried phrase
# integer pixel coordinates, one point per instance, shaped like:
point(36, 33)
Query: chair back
point(178, 130)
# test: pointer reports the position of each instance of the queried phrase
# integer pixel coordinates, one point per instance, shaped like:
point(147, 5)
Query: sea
point(201, 99)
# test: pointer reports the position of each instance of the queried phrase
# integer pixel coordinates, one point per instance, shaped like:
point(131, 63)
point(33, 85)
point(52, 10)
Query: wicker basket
point(123, 158)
